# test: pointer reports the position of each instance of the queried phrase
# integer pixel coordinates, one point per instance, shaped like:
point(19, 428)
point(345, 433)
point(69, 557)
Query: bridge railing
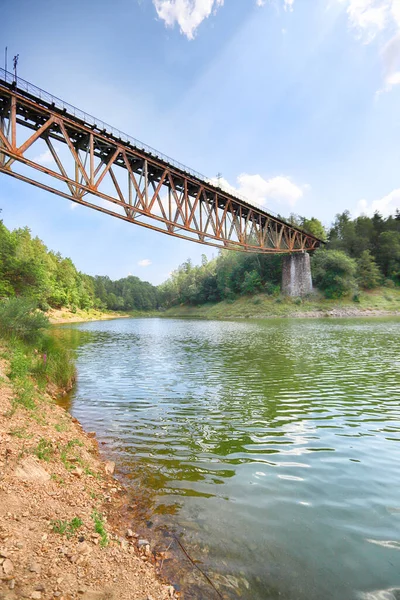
point(24, 86)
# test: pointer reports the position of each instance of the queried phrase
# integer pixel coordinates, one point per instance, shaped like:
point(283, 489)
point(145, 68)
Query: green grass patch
point(44, 450)
point(99, 528)
point(68, 528)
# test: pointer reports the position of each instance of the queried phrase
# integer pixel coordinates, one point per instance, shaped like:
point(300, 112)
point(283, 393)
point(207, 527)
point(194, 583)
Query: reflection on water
point(273, 445)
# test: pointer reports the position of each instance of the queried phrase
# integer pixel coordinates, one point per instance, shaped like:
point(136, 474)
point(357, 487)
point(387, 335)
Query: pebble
point(35, 568)
point(143, 543)
point(36, 595)
point(109, 467)
point(8, 566)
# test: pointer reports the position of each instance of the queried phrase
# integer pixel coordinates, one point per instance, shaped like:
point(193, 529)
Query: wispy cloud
point(145, 262)
point(386, 205)
point(44, 158)
point(372, 18)
point(188, 14)
point(259, 190)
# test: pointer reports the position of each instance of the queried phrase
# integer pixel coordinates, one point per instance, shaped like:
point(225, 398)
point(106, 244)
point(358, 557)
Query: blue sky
point(295, 102)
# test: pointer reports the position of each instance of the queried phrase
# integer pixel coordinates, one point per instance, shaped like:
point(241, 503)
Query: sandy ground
point(53, 487)
point(59, 316)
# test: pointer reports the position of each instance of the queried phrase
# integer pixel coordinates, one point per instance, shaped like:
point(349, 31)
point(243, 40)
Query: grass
point(68, 528)
point(261, 305)
point(99, 528)
point(65, 455)
point(44, 450)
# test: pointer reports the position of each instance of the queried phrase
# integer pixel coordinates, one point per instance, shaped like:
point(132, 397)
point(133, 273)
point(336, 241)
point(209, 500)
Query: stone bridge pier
point(296, 274)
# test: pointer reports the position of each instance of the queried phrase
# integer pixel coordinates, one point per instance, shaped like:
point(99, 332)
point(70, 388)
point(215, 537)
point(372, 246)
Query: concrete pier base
point(296, 275)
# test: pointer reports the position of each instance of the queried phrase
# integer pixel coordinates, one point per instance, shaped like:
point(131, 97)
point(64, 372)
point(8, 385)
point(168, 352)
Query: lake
point(270, 447)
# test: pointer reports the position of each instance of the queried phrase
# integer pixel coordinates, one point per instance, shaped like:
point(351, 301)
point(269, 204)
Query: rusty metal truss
point(56, 147)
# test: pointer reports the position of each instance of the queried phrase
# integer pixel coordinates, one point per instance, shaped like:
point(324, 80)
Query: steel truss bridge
point(56, 147)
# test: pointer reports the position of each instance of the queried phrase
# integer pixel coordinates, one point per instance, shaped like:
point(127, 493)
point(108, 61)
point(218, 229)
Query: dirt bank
point(61, 535)
point(64, 315)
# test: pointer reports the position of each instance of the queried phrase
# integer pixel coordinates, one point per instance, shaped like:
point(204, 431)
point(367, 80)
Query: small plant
point(356, 297)
point(100, 528)
point(68, 528)
point(24, 395)
point(257, 301)
point(44, 450)
point(19, 432)
point(65, 456)
point(57, 479)
point(298, 301)
point(61, 427)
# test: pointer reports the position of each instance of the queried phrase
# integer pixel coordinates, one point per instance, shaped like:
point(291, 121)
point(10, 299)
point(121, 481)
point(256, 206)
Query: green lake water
point(272, 448)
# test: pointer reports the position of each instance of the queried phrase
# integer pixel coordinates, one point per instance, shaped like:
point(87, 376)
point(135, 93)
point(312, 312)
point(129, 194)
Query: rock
point(12, 584)
point(8, 567)
point(91, 434)
point(30, 470)
point(171, 591)
point(109, 467)
point(40, 587)
point(3, 553)
point(36, 595)
point(92, 595)
point(84, 548)
point(143, 543)
point(129, 533)
point(35, 568)
point(78, 472)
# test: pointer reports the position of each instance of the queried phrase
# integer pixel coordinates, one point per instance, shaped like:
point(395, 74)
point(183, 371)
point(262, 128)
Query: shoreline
point(64, 316)
point(65, 527)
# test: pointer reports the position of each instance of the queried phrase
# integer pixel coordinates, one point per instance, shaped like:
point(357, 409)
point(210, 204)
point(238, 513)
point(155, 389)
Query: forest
point(29, 270)
point(361, 253)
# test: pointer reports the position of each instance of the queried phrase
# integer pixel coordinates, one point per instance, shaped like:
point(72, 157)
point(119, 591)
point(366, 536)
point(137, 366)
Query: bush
point(20, 318)
point(334, 272)
point(368, 273)
point(271, 289)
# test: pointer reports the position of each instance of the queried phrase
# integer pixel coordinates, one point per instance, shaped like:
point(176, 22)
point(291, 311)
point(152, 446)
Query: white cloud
point(385, 206)
point(370, 18)
point(43, 159)
point(188, 14)
point(288, 4)
point(260, 2)
point(144, 263)
point(260, 190)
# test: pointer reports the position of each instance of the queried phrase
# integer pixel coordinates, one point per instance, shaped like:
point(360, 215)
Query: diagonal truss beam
point(95, 168)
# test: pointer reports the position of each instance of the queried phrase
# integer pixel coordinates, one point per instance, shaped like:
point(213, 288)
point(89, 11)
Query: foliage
point(20, 318)
point(68, 528)
point(368, 274)
point(28, 269)
point(334, 272)
point(99, 528)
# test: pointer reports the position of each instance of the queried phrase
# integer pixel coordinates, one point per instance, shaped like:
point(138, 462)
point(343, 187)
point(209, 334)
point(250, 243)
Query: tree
point(368, 273)
point(334, 272)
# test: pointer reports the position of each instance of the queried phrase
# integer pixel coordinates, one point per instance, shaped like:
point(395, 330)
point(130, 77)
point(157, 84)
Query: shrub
point(334, 272)
point(368, 273)
point(20, 318)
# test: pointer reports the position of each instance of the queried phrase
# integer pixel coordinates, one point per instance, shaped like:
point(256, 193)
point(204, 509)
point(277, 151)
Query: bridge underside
point(58, 148)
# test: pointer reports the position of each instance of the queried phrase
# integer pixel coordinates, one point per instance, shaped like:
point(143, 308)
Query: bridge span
point(50, 144)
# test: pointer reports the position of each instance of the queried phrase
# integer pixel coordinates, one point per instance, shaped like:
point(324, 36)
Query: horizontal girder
point(55, 147)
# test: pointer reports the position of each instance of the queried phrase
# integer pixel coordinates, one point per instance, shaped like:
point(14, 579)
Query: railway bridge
point(51, 144)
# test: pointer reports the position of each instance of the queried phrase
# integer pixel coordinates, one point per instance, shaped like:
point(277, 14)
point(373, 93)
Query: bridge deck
point(105, 169)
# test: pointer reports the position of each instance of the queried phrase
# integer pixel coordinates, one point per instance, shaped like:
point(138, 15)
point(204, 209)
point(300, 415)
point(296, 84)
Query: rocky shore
point(61, 531)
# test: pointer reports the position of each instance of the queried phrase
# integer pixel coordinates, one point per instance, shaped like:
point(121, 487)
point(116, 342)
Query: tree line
point(360, 253)
point(29, 270)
